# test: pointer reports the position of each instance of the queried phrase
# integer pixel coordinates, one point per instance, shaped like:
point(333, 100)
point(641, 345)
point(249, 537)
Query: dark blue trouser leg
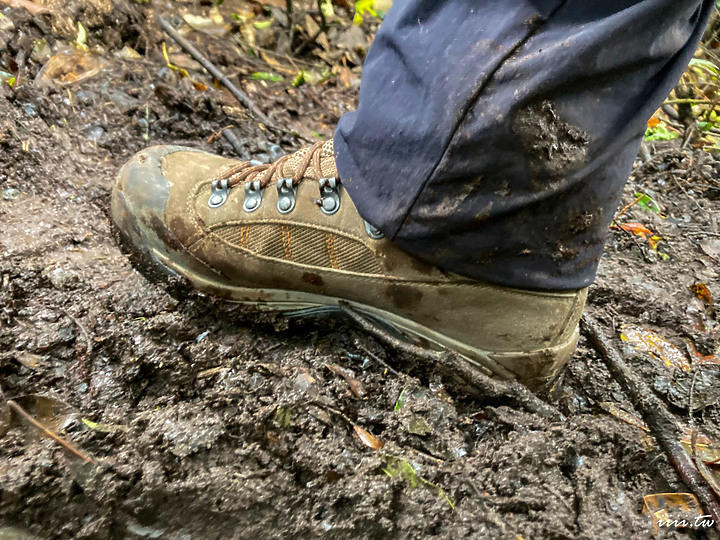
point(493, 137)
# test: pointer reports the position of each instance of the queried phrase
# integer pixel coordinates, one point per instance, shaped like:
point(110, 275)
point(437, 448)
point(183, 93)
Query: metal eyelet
point(329, 195)
point(373, 232)
point(218, 193)
point(286, 195)
point(253, 196)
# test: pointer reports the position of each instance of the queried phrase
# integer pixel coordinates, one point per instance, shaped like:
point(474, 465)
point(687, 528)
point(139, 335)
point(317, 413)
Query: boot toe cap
point(139, 201)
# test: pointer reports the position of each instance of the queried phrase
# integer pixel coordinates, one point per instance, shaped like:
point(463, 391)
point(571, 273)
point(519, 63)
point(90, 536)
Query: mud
point(554, 148)
point(211, 422)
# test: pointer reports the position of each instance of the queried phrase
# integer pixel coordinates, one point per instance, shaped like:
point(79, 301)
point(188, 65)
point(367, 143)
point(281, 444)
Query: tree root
point(458, 372)
point(661, 423)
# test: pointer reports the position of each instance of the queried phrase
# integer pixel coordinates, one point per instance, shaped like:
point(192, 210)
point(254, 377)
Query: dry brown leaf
point(702, 292)
point(711, 247)
point(367, 438)
point(356, 386)
point(705, 448)
point(665, 507)
point(32, 7)
point(625, 416)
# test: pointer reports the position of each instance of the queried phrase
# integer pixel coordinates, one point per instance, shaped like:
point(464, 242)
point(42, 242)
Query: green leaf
point(327, 8)
point(300, 79)
point(7, 78)
point(397, 466)
point(400, 401)
point(646, 202)
point(265, 76)
point(362, 7)
point(282, 417)
point(704, 65)
point(263, 24)
point(660, 133)
point(81, 35)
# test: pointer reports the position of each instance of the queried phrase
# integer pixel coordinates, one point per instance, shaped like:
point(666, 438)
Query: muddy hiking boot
point(287, 237)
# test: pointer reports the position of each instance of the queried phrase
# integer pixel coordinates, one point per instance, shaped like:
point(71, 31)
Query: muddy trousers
point(493, 138)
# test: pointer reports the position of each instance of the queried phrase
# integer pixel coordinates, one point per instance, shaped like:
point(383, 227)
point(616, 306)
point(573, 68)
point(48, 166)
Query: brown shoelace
point(242, 171)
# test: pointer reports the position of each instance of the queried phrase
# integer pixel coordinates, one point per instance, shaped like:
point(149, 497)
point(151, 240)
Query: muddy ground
point(209, 422)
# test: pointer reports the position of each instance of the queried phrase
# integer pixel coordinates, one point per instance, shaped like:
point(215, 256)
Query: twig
point(693, 199)
point(377, 359)
point(235, 142)
point(85, 333)
point(311, 39)
point(691, 101)
point(241, 96)
point(627, 207)
point(291, 24)
point(645, 152)
point(62, 442)
point(661, 423)
point(469, 379)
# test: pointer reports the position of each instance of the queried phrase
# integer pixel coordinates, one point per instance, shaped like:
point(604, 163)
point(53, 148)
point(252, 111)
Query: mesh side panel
point(303, 245)
point(308, 246)
point(355, 257)
point(267, 240)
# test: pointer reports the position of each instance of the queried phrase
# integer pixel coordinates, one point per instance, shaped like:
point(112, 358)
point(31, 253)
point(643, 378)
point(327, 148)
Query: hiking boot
point(287, 237)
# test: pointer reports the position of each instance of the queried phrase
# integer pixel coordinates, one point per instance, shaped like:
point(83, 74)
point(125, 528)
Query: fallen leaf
point(705, 449)
point(367, 438)
point(32, 7)
point(212, 25)
point(69, 67)
point(699, 357)
point(355, 386)
point(657, 346)
point(646, 202)
point(49, 411)
point(664, 508)
point(637, 229)
point(654, 242)
point(29, 360)
point(711, 247)
point(105, 428)
point(625, 416)
point(702, 292)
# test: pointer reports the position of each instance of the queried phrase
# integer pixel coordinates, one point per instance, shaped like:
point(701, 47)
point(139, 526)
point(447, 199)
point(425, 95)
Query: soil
point(210, 422)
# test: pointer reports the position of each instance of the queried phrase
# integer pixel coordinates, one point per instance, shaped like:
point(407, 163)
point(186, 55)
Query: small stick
point(235, 142)
point(85, 333)
point(627, 207)
point(62, 442)
point(656, 416)
point(377, 359)
point(241, 96)
point(469, 378)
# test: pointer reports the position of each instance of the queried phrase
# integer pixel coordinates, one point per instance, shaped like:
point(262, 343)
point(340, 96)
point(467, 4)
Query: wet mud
point(208, 421)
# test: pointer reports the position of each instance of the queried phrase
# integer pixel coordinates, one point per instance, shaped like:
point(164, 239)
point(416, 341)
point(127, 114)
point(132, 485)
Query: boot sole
point(281, 300)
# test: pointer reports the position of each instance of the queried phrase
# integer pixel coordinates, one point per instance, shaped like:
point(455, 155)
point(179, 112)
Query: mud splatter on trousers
point(494, 138)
